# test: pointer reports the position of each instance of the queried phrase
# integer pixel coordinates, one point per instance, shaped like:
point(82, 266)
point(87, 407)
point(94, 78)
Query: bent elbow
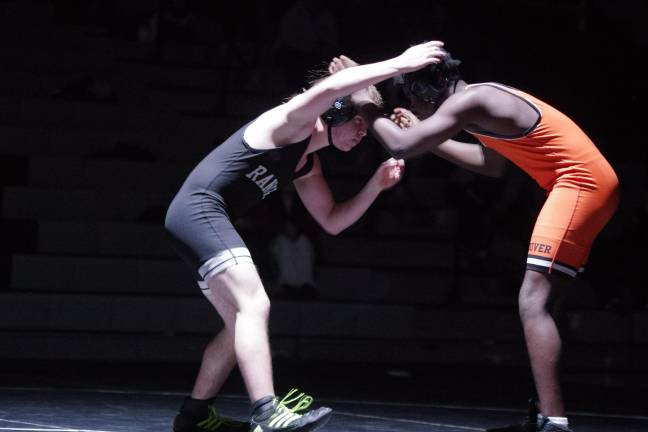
point(331, 226)
point(332, 230)
point(402, 146)
point(394, 150)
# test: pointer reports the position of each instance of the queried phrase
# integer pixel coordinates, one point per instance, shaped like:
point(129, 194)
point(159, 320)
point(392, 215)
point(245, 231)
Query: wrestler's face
point(349, 134)
point(422, 109)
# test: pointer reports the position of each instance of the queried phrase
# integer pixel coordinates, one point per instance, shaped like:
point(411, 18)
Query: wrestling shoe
point(545, 425)
point(529, 424)
point(213, 422)
point(284, 415)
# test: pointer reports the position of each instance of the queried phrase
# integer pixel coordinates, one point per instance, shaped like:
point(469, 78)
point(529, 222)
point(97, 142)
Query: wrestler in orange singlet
point(581, 186)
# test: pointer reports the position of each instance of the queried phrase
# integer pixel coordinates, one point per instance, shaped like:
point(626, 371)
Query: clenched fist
point(389, 173)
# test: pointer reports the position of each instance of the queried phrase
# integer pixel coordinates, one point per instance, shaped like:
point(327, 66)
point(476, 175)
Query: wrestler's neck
point(458, 87)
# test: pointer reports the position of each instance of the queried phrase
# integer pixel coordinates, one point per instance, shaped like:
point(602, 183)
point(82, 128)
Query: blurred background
point(106, 105)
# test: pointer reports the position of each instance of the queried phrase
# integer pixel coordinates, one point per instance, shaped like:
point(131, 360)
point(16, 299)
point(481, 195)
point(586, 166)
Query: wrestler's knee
point(534, 295)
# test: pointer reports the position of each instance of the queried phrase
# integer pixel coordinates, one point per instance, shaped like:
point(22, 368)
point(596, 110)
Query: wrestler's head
point(427, 88)
point(345, 127)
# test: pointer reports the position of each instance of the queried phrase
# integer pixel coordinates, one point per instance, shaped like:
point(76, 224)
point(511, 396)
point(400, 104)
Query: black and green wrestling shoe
point(205, 419)
point(286, 414)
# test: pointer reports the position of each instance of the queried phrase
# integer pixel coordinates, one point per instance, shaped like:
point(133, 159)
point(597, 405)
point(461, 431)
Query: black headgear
point(430, 83)
point(340, 112)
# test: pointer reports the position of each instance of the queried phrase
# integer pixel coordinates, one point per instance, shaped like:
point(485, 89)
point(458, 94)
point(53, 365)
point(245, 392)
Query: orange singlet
point(582, 188)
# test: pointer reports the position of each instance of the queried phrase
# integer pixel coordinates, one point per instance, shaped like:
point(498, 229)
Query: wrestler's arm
point(334, 217)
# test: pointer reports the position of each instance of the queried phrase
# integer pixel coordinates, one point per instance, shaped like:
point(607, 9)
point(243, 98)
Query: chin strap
point(330, 136)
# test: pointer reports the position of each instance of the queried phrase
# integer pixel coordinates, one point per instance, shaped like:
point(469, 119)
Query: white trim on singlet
point(222, 261)
point(553, 265)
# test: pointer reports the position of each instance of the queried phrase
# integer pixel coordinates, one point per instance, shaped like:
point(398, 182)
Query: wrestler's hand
point(389, 173)
point(418, 56)
point(367, 95)
point(404, 118)
point(363, 96)
point(339, 63)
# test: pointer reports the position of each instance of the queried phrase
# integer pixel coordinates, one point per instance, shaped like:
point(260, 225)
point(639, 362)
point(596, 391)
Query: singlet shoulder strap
point(514, 92)
point(308, 166)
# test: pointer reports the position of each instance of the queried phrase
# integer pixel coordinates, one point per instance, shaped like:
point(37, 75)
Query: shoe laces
point(288, 409)
point(299, 400)
point(214, 421)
